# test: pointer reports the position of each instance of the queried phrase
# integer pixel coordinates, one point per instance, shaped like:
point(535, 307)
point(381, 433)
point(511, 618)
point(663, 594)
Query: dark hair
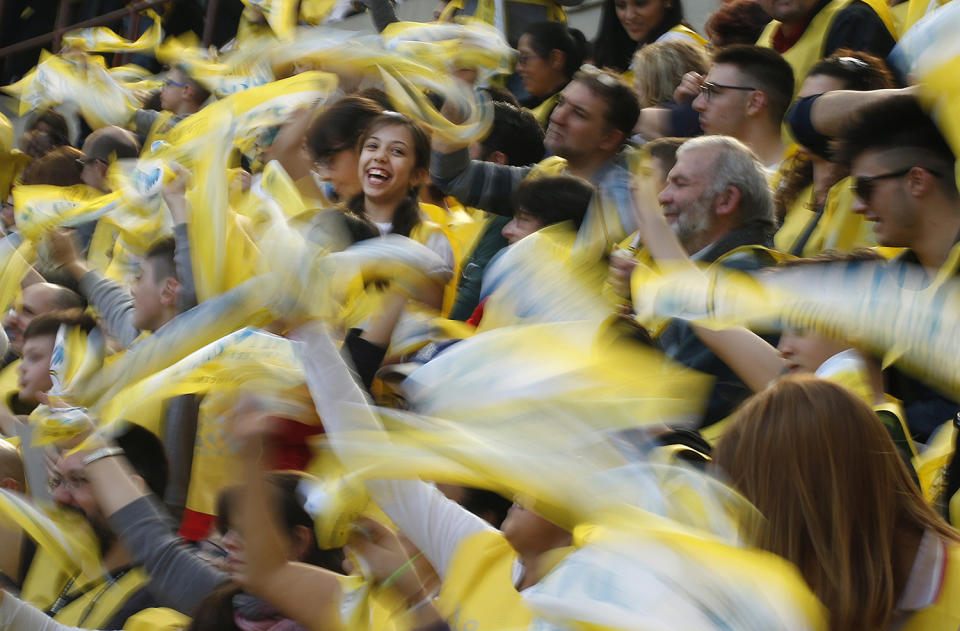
point(898, 123)
point(66, 299)
point(407, 214)
point(289, 510)
point(486, 504)
point(554, 198)
point(146, 455)
point(665, 150)
point(57, 123)
point(858, 70)
point(59, 167)
point(49, 323)
point(623, 104)
point(340, 125)
point(767, 69)
point(38, 143)
point(501, 95)
point(110, 143)
point(737, 22)
point(377, 96)
point(613, 48)
point(161, 257)
point(215, 612)
point(547, 36)
point(516, 133)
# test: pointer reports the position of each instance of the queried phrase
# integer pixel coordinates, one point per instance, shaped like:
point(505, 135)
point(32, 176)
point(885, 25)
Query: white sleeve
point(440, 244)
point(16, 615)
point(434, 523)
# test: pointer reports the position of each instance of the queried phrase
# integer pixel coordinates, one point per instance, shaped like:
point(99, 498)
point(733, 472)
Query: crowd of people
point(484, 325)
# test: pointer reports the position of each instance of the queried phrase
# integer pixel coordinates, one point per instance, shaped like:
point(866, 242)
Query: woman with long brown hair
point(839, 503)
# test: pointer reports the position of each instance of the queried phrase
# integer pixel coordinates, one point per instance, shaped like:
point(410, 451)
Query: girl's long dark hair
point(613, 48)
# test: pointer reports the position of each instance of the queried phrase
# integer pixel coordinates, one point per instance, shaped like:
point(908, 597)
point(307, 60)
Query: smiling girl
point(627, 25)
point(394, 160)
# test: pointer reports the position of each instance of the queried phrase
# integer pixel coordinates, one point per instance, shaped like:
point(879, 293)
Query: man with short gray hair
point(717, 195)
point(719, 205)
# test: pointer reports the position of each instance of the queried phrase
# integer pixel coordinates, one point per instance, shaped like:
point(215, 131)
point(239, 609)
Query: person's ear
point(301, 540)
point(921, 182)
point(169, 289)
point(612, 140)
point(10, 484)
point(557, 59)
point(757, 102)
point(419, 177)
point(727, 201)
point(498, 157)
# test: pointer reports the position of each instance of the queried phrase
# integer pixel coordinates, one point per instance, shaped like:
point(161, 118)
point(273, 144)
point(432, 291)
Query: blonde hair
point(838, 500)
point(659, 67)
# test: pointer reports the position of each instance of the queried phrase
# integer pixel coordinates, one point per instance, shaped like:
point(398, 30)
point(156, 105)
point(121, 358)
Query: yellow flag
point(101, 39)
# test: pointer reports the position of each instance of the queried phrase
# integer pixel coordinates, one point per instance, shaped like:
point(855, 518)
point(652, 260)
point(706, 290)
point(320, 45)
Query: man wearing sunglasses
point(903, 174)
point(745, 95)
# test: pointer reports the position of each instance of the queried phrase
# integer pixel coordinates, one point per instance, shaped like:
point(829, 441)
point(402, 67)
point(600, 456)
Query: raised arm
point(179, 579)
point(112, 301)
point(306, 593)
point(832, 111)
point(751, 357)
point(435, 524)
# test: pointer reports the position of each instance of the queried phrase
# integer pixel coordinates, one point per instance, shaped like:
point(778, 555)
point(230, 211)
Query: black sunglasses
point(863, 184)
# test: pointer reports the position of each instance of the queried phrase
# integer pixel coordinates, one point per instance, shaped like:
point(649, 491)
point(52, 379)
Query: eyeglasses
point(709, 89)
point(174, 83)
point(863, 184)
point(71, 484)
point(523, 59)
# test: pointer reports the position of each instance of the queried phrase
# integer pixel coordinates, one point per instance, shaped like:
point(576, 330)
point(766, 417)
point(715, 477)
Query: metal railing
point(131, 11)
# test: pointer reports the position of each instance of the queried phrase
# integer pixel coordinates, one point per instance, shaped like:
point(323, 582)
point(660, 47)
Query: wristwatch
point(103, 452)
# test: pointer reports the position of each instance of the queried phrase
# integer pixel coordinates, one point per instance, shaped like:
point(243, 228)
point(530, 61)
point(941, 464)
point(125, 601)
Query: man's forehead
point(724, 73)
point(69, 463)
point(579, 95)
point(691, 163)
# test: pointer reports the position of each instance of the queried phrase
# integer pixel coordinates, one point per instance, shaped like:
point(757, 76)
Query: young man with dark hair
point(745, 95)
point(163, 289)
point(587, 136)
point(903, 173)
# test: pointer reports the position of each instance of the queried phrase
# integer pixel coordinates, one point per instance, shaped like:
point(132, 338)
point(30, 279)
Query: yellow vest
point(808, 50)
point(839, 228)
point(944, 614)
point(478, 592)
point(44, 580)
point(542, 112)
point(690, 34)
point(101, 601)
